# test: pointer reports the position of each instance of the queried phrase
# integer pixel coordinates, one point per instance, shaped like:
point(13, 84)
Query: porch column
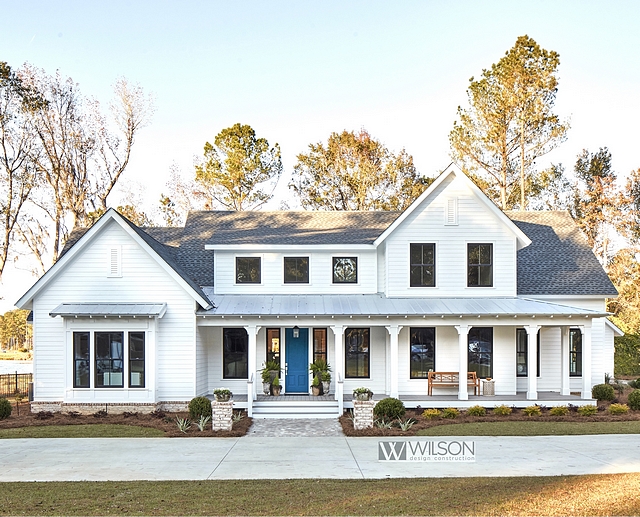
point(338, 338)
point(393, 330)
point(463, 367)
point(565, 387)
point(252, 331)
point(532, 361)
point(586, 361)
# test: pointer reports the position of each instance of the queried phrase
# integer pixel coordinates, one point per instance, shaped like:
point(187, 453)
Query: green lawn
point(532, 428)
point(559, 495)
point(81, 431)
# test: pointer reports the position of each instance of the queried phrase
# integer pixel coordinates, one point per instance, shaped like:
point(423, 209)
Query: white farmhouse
point(452, 288)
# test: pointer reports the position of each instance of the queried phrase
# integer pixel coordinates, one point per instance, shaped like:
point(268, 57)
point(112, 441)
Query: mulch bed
point(158, 420)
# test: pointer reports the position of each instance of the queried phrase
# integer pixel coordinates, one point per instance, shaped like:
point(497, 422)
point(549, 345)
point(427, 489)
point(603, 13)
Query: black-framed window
point(248, 270)
point(575, 353)
point(109, 359)
point(136, 359)
point(296, 270)
point(81, 360)
point(345, 270)
point(356, 347)
point(522, 357)
point(479, 265)
point(480, 353)
point(273, 345)
point(422, 270)
point(235, 353)
point(422, 351)
point(320, 344)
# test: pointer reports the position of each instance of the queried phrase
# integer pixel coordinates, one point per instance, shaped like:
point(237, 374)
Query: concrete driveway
point(102, 459)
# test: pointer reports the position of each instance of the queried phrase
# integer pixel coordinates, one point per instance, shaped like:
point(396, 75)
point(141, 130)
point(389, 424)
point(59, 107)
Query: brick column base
point(363, 414)
point(222, 415)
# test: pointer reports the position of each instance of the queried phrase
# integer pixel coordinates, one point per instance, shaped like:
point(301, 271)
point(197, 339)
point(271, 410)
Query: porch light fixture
point(296, 332)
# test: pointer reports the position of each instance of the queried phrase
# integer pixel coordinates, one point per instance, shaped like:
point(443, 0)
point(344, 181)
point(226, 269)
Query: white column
point(586, 361)
point(565, 387)
point(252, 331)
point(338, 339)
point(532, 362)
point(463, 360)
point(393, 330)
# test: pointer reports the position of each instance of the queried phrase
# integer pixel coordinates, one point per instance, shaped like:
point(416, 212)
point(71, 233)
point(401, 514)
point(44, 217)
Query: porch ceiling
point(380, 305)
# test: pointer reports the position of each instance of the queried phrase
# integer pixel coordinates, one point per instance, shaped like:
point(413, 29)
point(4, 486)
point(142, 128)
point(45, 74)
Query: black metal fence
point(13, 383)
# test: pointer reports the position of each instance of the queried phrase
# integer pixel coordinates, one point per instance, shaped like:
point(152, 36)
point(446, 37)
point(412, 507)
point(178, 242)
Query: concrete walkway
point(253, 457)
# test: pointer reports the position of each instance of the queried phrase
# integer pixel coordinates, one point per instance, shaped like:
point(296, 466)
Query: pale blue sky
point(298, 70)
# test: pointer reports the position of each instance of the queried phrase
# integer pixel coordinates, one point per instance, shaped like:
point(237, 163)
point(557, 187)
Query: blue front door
point(297, 361)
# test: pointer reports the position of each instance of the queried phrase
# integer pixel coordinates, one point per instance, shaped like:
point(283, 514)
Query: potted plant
point(320, 368)
point(316, 386)
point(266, 381)
point(222, 394)
point(275, 387)
point(325, 377)
point(270, 371)
point(362, 394)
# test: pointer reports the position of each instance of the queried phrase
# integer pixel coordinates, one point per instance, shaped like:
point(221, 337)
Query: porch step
point(295, 409)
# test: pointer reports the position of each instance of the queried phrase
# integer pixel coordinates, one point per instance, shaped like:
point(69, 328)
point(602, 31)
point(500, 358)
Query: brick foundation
point(222, 415)
point(89, 408)
point(363, 414)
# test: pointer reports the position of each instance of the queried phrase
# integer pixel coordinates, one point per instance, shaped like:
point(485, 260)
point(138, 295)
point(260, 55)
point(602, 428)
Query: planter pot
point(276, 390)
point(315, 391)
point(325, 387)
point(362, 396)
point(266, 388)
point(223, 398)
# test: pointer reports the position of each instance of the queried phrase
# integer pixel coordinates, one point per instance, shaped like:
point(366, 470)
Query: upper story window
point(296, 270)
point(248, 270)
point(422, 265)
point(345, 270)
point(480, 265)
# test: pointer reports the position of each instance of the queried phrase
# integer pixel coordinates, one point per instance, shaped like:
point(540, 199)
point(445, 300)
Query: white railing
point(340, 394)
point(250, 396)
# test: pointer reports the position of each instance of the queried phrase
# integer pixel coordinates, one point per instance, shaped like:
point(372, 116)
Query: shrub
point(634, 400)
point(430, 414)
point(532, 411)
point(559, 411)
point(5, 409)
point(603, 392)
point(389, 409)
point(502, 410)
point(588, 410)
point(634, 384)
point(618, 409)
point(199, 406)
point(450, 412)
point(476, 411)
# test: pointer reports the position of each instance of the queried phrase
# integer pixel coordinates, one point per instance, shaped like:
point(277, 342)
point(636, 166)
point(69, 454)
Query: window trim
point(492, 264)
point(143, 360)
point(411, 329)
point(526, 354)
point(75, 360)
point(284, 276)
point(368, 353)
point(244, 257)
point(492, 348)
point(575, 356)
point(333, 267)
point(434, 265)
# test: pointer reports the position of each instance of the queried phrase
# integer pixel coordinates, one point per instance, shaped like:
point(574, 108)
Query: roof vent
point(115, 261)
point(451, 214)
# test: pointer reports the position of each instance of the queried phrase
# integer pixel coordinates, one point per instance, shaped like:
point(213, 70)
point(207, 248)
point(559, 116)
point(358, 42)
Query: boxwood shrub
point(199, 406)
point(603, 392)
point(389, 409)
point(634, 400)
point(5, 408)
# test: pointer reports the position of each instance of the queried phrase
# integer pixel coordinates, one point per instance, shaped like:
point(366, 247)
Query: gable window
point(235, 357)
point(248, 270)
point(522, 353)
point(273, 345)
point(136, 359)
point(345, 270)
point(481, 351)
point(575, 353)
point(422, 265)
point(296, 270)
point(320, 344)
point(109, 359)
point(356, 346)
point(479, 265)
point(422, 350)
point(81, 361)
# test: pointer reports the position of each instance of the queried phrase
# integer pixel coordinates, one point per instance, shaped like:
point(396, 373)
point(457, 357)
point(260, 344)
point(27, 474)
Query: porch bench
point(451, 380)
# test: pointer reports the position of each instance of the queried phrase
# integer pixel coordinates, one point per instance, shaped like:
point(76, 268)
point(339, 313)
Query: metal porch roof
point(109, 310)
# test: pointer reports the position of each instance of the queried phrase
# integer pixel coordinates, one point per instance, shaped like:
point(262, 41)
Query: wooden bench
point(451, 380)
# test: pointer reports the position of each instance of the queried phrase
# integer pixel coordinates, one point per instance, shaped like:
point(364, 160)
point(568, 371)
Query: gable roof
point(163, 254)
point(559, 260)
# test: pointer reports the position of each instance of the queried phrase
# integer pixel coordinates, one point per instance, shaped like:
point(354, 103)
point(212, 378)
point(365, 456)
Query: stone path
point(295, 427)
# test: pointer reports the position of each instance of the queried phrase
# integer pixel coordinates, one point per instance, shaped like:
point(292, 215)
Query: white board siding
point(320, 273)
point(86, 280)
point(202, 366)
point(476, 224)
